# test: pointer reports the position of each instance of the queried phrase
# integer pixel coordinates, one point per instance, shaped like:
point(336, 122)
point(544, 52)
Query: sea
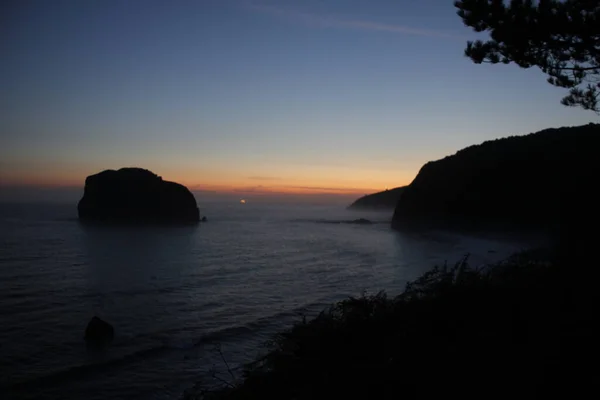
point(190, 305)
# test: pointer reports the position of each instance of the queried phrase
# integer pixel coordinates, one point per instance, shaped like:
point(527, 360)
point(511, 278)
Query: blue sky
point(343, 96)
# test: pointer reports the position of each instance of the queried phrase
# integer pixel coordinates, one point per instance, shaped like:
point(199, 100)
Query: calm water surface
point(172, 294)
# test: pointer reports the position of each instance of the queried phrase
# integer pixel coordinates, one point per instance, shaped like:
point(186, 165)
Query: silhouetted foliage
point(562, 38)
point(487, 332)
point(380, 200)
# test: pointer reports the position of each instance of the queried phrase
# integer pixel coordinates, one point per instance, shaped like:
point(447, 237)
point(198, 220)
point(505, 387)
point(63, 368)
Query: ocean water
point(174, 294)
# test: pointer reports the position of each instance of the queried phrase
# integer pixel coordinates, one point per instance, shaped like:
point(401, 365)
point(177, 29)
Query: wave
point(359, 221)
point(168, 345)
point(83, 370)
point(79, 371)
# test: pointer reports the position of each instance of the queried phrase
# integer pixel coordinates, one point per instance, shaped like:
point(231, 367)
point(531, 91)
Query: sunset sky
point(231, 96)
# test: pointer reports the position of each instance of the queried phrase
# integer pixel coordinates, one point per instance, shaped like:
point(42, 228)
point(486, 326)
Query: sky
point(240, 97)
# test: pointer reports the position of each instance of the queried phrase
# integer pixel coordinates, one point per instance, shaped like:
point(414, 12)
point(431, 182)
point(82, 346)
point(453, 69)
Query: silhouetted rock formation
point(542, 181)
point(136, 195)
point(380, 200)
point(99, 332)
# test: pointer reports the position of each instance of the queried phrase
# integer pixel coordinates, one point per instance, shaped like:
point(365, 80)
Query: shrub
point(481, 332)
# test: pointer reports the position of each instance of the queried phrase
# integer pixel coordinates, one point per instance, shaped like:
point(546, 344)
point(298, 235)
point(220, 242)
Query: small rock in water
point(99, 332)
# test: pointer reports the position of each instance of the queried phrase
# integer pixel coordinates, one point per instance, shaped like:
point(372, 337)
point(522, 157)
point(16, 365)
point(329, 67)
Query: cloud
point(292, 189)
point(329, 189)
point(321, 21)
point(287, 189)
point(251, 189)
point(264, 178)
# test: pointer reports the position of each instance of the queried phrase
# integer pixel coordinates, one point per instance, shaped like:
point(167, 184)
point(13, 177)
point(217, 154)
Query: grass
point(520, 328)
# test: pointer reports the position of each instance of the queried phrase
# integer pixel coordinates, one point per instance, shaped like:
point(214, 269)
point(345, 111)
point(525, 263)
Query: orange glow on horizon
point(312, 181)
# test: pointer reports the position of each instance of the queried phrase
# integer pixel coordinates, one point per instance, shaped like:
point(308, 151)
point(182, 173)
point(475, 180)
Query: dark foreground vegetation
point(521, 328)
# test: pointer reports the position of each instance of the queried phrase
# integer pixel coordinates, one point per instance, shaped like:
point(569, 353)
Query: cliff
point(135, 195)
point(537, 181)
point(380, 200)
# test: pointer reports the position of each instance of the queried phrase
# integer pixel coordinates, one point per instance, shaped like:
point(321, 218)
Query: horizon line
point(289, 190)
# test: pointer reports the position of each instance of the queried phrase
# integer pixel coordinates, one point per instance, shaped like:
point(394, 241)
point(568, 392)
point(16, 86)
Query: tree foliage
point(562, 38)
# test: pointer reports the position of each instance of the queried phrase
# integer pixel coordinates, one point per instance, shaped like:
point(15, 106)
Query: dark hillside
point(524, 182)
point(385, 200)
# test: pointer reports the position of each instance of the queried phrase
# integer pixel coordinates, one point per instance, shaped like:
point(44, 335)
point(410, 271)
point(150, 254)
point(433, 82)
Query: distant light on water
point(243, 201)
